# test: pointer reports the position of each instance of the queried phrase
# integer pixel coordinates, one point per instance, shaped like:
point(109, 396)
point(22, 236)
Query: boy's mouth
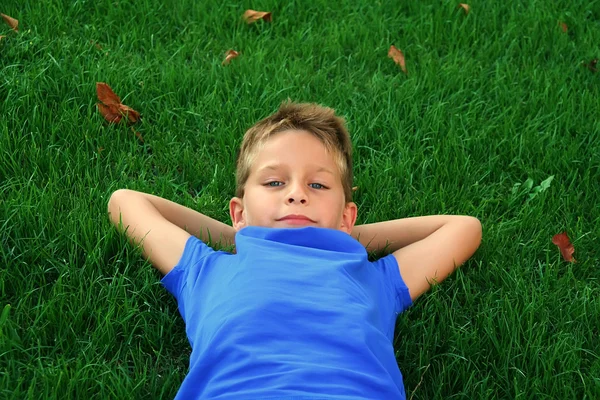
point(296, 219)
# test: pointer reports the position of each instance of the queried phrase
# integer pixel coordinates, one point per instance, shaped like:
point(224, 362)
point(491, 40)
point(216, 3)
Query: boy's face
point(294, 182)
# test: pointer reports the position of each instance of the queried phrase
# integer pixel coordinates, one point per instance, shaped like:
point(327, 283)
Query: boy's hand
point(427, 249)
point(429, 261)
point(161, 226)
point(162, 242)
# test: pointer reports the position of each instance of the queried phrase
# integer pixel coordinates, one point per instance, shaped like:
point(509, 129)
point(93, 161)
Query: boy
point(298, 312)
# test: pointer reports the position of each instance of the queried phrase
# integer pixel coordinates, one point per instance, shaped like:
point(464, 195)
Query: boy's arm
point(161, 226)
point(427, 249)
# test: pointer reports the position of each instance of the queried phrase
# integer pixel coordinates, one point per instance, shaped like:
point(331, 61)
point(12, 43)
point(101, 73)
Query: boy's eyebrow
point(278, 166)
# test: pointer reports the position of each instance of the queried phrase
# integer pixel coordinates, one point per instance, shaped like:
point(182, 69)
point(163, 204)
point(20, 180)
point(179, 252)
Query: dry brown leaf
point(398, 57)
point(111, 108)
point(106, 94)
point(563, 26)
point(230, 55)
point(251, 16)
point(13, 23)
point(96, 45)
point(592, 65)
point(132, 115)
point(355, 188)
point(110, 113)
point(139, 135)
point(465, 7)
point(565, 246)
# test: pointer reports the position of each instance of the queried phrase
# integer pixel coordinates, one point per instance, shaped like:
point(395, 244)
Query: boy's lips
point(297, 218)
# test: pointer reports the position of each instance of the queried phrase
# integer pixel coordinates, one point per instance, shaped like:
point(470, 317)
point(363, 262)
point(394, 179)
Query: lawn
point(498, 117)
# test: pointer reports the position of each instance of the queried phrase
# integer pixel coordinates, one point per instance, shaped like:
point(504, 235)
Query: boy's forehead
point(290, 147)
point(277, 166)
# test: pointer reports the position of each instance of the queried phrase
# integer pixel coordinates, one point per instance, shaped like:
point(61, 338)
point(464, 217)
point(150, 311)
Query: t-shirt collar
point(310, 236)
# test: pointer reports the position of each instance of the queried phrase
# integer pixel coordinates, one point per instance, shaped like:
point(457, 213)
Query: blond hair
point(320, 121)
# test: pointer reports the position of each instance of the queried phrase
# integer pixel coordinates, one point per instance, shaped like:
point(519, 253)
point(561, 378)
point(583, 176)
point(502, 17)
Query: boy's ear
point(236, 212)
point(349, 217)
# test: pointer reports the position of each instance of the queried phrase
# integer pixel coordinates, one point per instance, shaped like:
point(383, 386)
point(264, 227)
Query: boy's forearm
point(395, 234)
point(203, 227)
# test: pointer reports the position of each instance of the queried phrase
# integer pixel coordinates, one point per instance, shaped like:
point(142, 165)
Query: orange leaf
point(111, 108)
point(465, 7)
point(251, 16)
point(230, 55)
point(563, 26)
point(565, 246)
point(592, 65)
point(398, 57)
point(139, 135)
point(110, 113)
point(96, 45)
point(106, 94)
point(13, 23)
point(132, 115)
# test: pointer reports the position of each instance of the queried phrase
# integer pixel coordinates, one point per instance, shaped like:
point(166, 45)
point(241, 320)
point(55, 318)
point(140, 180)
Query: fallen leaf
point(592, 65)
point(110, 113)
point(465, 7)
point(96, 45)
point(139, 135)
point(565, 246)
point(111, 108)
point(13, 23)
point(251, 16)
point(355, 188)
point(563, 26)
point(106, 94)
point(132, 115)
point(398, 57)
point(2, 37)
point(230, 55)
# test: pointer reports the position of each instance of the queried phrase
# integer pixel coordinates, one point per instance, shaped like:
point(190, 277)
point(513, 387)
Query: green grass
point(491, 99)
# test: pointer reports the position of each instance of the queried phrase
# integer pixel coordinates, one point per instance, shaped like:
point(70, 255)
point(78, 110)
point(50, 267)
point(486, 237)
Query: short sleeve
point(194, 254)
point(391, 274)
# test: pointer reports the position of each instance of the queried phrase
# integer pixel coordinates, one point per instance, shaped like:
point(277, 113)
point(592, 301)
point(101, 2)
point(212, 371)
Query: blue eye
point(279, 183)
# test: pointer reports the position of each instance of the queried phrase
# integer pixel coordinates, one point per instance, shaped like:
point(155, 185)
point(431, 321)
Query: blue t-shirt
point(296, 313)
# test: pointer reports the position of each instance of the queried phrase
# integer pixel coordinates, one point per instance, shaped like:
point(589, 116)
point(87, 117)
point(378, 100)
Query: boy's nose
point(297, 194)
point(301, 201)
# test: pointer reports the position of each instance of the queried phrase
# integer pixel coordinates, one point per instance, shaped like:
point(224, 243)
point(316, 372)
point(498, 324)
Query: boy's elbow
point(114, 201)
point(475, 231)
